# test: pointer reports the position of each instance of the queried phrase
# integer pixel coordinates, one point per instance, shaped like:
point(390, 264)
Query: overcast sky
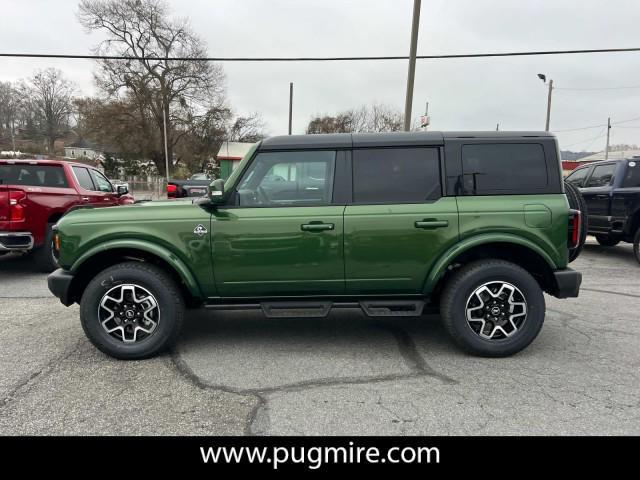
point(463, 94)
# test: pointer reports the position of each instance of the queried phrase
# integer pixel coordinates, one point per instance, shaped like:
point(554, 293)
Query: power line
point(320, 59)
point(626, 121)
point(598, 88)
point(579, 128)
point(591, 139)
point(596, 126)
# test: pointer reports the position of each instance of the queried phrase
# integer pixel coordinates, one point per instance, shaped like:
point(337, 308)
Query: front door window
point(288, 179)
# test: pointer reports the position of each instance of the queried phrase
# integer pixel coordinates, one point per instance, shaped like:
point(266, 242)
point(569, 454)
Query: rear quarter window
point(33, 175)
point(509, 168)
point(632, 177)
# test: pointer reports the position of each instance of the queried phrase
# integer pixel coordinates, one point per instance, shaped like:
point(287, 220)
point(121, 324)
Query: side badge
point(200, 230)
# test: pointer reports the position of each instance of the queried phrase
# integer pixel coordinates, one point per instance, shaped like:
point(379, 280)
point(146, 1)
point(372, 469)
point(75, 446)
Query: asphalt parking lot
point(238, 373)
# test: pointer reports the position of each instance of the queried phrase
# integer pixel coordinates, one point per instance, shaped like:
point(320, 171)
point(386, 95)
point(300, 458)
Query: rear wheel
point(607, 241)
point(43, 256)
point(132, 310)
point(576, 202)
point(492, 308)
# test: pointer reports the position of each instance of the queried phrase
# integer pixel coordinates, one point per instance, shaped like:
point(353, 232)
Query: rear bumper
point(16, 241)
point(567, 283)
point(59, 283)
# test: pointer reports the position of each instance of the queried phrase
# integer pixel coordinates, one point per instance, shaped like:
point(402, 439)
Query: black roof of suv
point(346, 140)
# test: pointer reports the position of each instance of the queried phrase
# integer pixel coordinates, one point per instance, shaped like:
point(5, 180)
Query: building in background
point(229, 156)
point(82, 149)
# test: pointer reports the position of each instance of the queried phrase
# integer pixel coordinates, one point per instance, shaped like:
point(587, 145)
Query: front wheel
point(132, 310)
point(492, 308)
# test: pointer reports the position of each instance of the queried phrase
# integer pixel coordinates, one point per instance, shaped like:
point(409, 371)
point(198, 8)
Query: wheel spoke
point(496, 310)
point(129, 313)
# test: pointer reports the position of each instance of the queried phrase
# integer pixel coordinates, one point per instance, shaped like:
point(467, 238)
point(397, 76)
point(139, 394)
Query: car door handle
point(316, 227)
point(85, 199)
point(429, 223)
point(602, 196)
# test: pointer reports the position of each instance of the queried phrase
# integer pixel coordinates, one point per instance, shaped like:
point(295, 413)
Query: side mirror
point(216, 191)
point(122, 190)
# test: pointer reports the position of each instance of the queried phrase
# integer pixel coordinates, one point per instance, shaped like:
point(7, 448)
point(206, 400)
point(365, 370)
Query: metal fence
point(145, 187)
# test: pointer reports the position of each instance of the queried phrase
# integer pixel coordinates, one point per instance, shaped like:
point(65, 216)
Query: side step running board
point(322, 308)
point(392, 308)
point(305, 309)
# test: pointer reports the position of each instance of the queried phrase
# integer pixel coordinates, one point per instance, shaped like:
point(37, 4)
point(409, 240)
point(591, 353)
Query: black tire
point(636, 245)
point(607, 241)
point(576, 202)
point(43, 257)
point(155, 281)
point(459, 290)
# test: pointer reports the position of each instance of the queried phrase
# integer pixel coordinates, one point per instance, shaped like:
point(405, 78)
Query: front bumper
point(15, 241)
point(567, 283)
point(59, 283)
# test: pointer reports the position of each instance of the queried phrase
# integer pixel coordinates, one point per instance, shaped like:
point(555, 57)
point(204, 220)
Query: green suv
point(474, 224)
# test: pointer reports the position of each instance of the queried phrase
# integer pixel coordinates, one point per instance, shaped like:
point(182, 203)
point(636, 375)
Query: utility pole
point(412, 64)
point(13, 140)
point(549, 105)
point(606, 150)
point(497, 127)
point(290, 106)
point(166, 148)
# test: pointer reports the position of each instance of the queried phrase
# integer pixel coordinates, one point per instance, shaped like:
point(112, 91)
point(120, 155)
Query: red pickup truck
point(34, 194)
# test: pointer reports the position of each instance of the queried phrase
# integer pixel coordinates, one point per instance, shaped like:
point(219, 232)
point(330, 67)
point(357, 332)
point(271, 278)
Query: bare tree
point(341, 123)
point(9, 110)
point(51, 97)
point(246, 129)
point(384, 118)
point(179, 90)
point(377, 118)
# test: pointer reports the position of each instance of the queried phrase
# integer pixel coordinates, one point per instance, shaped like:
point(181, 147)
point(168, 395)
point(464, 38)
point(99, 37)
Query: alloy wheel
point(129, 313)
point(496, 310)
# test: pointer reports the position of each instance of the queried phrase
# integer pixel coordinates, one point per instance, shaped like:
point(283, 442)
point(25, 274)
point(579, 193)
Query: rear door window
point(506, 168)
point(396, 175)
point(33, 175)
point(84, 178)
point(602, 175)
point(101, 181)
point(632, 177)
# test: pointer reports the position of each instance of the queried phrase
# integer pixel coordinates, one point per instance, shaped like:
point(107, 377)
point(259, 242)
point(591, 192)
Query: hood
point(138, 212)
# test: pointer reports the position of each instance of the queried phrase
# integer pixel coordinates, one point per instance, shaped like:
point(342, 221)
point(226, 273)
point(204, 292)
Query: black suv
point(611, 190)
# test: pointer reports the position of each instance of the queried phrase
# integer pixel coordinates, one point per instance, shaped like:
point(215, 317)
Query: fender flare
point(631, 222)
point(440, 267)
point(57, 212)
point(172, 260)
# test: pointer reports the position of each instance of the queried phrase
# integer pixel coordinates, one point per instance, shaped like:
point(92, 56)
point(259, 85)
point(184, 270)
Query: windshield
point(199, 176)
point(233, 178)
